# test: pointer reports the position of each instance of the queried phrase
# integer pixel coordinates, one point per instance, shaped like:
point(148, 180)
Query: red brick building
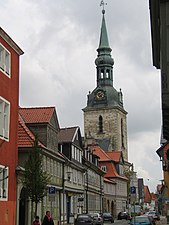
point(9, 97)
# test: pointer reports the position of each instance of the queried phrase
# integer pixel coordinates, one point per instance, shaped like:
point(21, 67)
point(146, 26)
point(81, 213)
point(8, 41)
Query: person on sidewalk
point(48, 219)
point(36, 221)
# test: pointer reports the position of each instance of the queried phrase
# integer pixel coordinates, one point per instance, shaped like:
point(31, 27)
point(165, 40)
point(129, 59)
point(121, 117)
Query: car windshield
point(83, 216)
point(94, 215)
point(141, 219)
point(106, 214)
point(152, 212)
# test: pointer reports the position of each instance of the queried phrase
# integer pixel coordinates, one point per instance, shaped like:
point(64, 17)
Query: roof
point(97, 150)
point(115, 156)
point(9, 40)
point(109, 181)
point(105, 159)
point(37, 114)
point(104, 143)
point(25, 137)
point(147, 195)
point(67, 134)
point(112, 173)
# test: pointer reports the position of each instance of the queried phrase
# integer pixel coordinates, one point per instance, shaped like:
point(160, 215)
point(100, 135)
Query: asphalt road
point(118, 222)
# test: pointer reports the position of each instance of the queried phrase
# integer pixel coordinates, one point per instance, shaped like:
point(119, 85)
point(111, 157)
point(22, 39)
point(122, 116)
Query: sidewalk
point(162, 221)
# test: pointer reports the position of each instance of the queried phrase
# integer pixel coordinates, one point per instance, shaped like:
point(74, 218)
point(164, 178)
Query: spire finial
point(102, 3)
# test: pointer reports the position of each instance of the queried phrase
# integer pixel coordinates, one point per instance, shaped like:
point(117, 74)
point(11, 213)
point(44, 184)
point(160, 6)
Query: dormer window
point(104, 168)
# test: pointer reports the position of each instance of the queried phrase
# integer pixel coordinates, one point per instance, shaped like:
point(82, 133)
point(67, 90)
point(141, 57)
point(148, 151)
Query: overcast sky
point(60, 39)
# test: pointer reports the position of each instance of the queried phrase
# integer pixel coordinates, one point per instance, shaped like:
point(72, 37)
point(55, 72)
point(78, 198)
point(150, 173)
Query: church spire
point(104, 62)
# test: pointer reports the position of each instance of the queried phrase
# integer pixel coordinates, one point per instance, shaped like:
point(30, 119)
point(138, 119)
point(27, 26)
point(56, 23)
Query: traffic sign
point(133, 190)
point(52, 190)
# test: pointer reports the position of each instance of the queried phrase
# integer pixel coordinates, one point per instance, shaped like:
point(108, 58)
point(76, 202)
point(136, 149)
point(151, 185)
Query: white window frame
point(5, 61)
point(4, 172)
point(4, 119)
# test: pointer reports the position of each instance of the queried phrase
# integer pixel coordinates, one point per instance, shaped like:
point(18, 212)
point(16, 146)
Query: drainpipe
point(86, 191)
point(63, 188)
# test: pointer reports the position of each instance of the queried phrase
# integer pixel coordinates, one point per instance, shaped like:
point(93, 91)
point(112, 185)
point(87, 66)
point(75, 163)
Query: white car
point(98, 220)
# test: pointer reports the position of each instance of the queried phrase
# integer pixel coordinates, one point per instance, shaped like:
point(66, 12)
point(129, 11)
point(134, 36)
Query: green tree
point(35, 179)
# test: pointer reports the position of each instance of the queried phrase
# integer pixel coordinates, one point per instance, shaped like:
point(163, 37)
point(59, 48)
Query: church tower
point(105, 119)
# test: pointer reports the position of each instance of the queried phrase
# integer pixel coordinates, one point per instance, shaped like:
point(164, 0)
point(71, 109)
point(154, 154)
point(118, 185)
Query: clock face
point(100, 95)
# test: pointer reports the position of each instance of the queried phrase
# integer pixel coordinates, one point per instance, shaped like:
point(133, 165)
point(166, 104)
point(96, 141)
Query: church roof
point(104, 42)
point(104, 68)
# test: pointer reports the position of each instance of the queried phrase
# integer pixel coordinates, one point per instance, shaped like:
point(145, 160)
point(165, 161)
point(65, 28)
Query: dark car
point(123, 215)
point(107, 217)
point(97, 217)
point(84, 219)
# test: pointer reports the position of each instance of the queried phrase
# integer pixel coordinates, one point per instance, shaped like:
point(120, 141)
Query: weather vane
point(102, 3)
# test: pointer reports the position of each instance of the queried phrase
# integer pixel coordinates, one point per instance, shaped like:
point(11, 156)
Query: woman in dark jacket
point(48, 219)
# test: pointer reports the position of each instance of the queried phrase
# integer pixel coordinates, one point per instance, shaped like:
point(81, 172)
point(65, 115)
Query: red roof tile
point(25, 136)
point(105, 160)
point(147, 195)
point(37, 114)
point(100, 152)
point(115, 156)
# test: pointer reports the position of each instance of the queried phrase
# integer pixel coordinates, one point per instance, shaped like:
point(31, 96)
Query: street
point(118, 222)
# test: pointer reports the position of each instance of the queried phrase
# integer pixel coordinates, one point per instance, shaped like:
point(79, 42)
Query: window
point(4, 60)
point(104, 168)
point(3, 182)
point(102, 74)
point(107, 74)
point(100, 124)
point(122, 134)
point(4, 118)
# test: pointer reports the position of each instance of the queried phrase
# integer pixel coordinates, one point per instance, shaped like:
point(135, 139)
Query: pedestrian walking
point(48, 219)
point(36, 221)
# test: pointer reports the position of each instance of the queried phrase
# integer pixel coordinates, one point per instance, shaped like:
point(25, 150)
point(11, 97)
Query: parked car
point(123, 215)
point(97, 217)
point(84, 219)
point(154, 214)
point(141, 220)
point(152, 220)
point(107, 217)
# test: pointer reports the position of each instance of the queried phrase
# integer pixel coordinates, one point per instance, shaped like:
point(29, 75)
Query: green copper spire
point(104, 62)
point(104, 95)
point(104, 42)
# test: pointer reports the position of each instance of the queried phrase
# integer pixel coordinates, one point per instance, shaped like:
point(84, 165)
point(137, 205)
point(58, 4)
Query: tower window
point(107, 74)
point(122, 134)
point(100, 124)
point(102, 74)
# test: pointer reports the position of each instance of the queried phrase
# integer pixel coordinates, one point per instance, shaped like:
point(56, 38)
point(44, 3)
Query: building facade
point(9, 97)
point(40, 122)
